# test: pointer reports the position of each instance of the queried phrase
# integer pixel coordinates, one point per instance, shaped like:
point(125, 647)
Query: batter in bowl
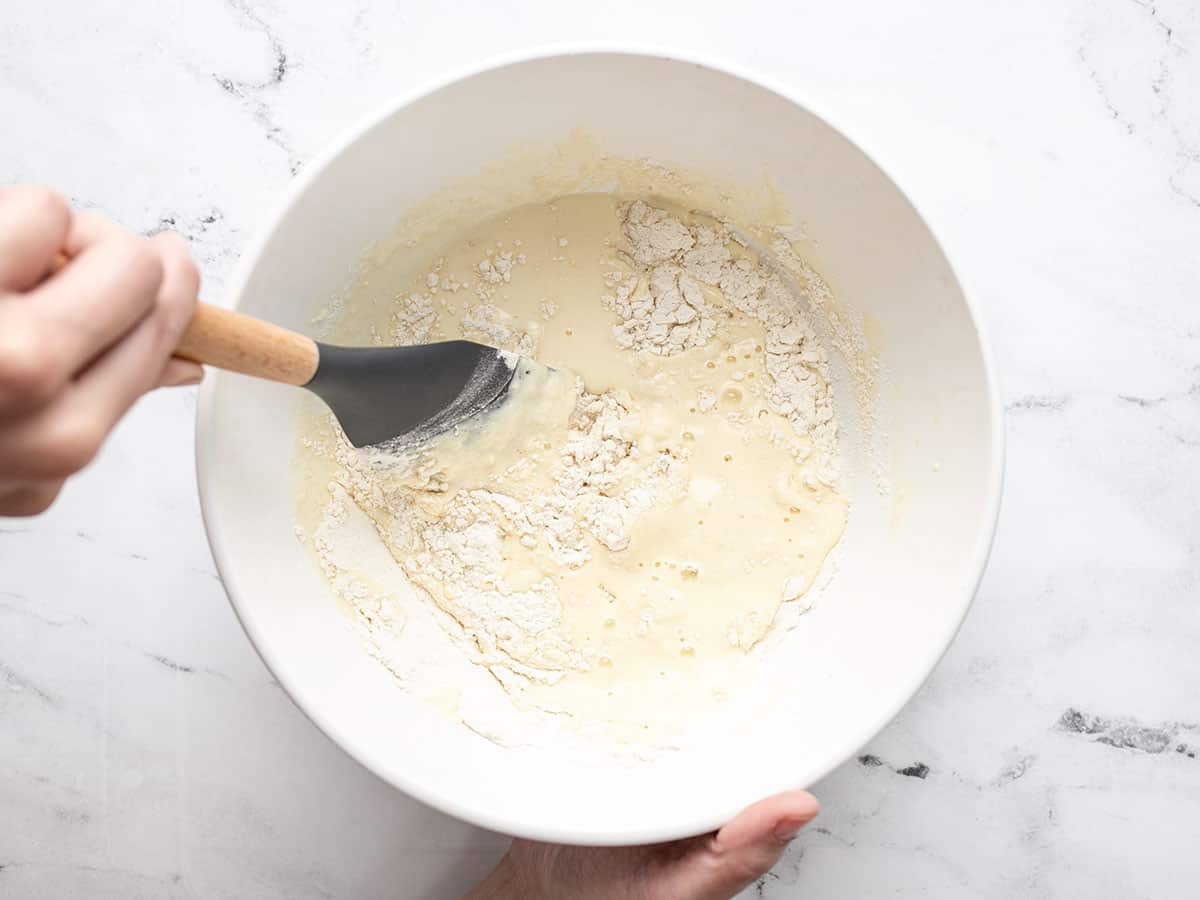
point(612, 541)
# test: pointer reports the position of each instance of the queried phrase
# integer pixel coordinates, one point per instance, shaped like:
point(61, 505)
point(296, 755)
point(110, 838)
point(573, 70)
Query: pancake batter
point(612, 540)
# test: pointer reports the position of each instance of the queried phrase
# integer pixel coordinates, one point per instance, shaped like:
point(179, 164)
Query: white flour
point(562, 503)
point(680, 258)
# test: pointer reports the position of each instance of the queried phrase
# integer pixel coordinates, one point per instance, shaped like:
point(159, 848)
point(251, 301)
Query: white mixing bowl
point(910, 562)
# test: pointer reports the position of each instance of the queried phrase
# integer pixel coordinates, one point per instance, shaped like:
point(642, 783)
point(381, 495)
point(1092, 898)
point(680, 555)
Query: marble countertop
point(146, 753)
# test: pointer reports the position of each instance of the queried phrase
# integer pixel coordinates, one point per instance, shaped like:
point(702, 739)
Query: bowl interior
point(910, 560)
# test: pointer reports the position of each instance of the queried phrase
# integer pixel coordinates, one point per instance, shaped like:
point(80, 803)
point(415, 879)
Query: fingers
point(177, 302)
point(776, 819)
point(112, 282)
point(62, 436)
point(55, 441)
point(753, 842)
point(55, 330)
point(712, 867)
point(744, 849)
point(125, 372)
point(33, 228)
point(136, 365)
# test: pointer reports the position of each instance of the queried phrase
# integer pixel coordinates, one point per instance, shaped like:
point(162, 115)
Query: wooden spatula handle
point(240, 343)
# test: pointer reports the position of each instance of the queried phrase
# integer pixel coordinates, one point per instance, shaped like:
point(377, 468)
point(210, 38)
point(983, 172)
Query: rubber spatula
point(376, 393)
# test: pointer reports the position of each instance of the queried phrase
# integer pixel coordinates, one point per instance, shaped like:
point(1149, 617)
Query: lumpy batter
point(624, 528)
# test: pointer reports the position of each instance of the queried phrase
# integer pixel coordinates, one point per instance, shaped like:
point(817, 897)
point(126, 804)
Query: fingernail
point(787, 829)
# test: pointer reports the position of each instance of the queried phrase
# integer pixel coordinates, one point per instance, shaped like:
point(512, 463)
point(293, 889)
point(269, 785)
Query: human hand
point(709, 867)
point(78, 346)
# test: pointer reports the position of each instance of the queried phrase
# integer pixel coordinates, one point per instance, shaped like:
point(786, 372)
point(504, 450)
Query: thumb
point(747, 847)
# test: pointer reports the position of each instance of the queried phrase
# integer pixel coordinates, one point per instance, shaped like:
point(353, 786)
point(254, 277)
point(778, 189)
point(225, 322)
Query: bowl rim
point(510, 821)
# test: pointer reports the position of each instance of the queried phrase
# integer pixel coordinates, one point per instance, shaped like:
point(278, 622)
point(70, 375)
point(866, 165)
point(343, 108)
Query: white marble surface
point(146, 752)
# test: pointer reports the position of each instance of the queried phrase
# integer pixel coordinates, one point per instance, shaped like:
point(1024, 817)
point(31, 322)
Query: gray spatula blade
point(384, 394)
